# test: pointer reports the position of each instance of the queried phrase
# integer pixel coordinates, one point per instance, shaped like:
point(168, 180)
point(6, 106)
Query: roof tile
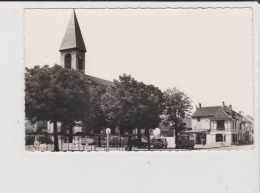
point(206, 111)
point(221, 115)
point(100, 81)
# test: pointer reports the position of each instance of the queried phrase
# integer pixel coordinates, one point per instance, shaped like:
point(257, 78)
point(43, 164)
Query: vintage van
point(185, 141)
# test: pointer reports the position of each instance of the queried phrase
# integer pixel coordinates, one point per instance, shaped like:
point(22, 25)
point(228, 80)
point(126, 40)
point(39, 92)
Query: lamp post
point(108, 131)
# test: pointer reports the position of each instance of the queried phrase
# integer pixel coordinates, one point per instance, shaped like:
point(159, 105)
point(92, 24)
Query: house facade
point(249, 129)
point(221, 125)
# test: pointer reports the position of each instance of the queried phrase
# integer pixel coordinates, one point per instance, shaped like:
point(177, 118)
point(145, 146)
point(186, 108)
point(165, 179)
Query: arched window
point(68, 61)
point(80, 62)
point(80, 66)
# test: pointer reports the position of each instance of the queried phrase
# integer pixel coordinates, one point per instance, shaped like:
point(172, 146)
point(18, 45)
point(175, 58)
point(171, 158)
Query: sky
point(206, 53)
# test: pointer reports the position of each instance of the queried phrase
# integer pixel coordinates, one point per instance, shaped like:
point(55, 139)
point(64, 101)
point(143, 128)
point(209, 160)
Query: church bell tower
point(72, 50)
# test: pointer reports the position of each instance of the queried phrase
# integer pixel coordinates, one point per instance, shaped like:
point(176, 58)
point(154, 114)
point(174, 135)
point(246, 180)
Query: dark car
point(144, 142)
point(159, 143)
point(185, 141)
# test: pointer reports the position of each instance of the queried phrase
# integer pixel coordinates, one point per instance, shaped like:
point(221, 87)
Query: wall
point(211, 139)
point(74, 58)
point(50, 127)
point(204, 124)
point(171, 142)
point(228, 125)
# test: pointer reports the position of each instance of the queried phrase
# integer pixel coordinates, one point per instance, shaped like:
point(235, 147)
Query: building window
point(221, 124)
point(80, 64)
point(68, 61)
point(234, 138)
point(219, 137)
point(198, 119)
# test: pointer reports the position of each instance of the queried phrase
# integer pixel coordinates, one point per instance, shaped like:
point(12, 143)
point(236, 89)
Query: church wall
point(83, 59)
point(74, 58)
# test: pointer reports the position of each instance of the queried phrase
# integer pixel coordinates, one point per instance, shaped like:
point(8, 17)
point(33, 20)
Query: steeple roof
point(73, 38)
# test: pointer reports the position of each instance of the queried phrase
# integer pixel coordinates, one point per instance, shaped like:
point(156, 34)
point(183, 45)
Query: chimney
point(231, 112)
point(199, 105)
point(240, 112)
point(196, 107)
point(223, 103)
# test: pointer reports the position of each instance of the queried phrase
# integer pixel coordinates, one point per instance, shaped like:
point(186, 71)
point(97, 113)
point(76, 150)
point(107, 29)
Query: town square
point(129, 97)
point(69, 110)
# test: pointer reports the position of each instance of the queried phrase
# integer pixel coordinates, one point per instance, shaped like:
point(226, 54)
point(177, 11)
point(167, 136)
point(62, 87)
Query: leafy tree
point(130, 104)
point(118, 103)
point(94, 120)
point(55, 94)
point(177, 107)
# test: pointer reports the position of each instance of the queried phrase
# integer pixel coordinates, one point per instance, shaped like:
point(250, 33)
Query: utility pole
point(108, 131)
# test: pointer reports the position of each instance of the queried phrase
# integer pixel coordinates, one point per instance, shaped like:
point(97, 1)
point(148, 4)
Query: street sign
point(37, 143)
point(108, 130)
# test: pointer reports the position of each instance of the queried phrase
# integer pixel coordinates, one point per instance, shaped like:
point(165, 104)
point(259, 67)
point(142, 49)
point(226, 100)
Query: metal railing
point(75, 142)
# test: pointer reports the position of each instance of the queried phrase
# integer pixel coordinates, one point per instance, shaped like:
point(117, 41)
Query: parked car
point(185, 141)
point(144, 142)
point(159, 143)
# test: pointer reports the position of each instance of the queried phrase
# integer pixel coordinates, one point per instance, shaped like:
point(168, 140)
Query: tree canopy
point(55, 94)
point(94, 119)
point(58, 94)
point(130, 104)
point(177, 107)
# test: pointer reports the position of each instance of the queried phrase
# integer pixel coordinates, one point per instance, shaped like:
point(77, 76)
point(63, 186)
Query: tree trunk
point(129, 143)
point(112, 131)
point(130, 131)
point(139, 138)
point(70, 132)
point(176, 130)
point(121, 130)
point(148, 138)
point(99, 141)
point(56, 142)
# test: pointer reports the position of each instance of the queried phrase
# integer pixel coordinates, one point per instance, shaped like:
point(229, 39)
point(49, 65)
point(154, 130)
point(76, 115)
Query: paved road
point(236, 147)
point(199, 148)
point(230, 148)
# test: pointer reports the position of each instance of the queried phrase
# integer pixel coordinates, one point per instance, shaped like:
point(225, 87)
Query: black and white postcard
point(129, 97)
point(138, 79)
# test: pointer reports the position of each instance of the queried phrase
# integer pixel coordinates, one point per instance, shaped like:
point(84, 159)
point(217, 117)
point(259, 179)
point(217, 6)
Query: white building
point(219, 125)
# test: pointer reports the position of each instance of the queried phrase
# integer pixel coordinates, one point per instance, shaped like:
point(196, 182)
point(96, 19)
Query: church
point(72, 56)
point(73, 51)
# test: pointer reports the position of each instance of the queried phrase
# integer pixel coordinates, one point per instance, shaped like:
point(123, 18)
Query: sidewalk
point(199, 146)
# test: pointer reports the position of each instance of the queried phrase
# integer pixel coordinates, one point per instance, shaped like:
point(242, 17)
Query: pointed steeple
point(73, 38)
